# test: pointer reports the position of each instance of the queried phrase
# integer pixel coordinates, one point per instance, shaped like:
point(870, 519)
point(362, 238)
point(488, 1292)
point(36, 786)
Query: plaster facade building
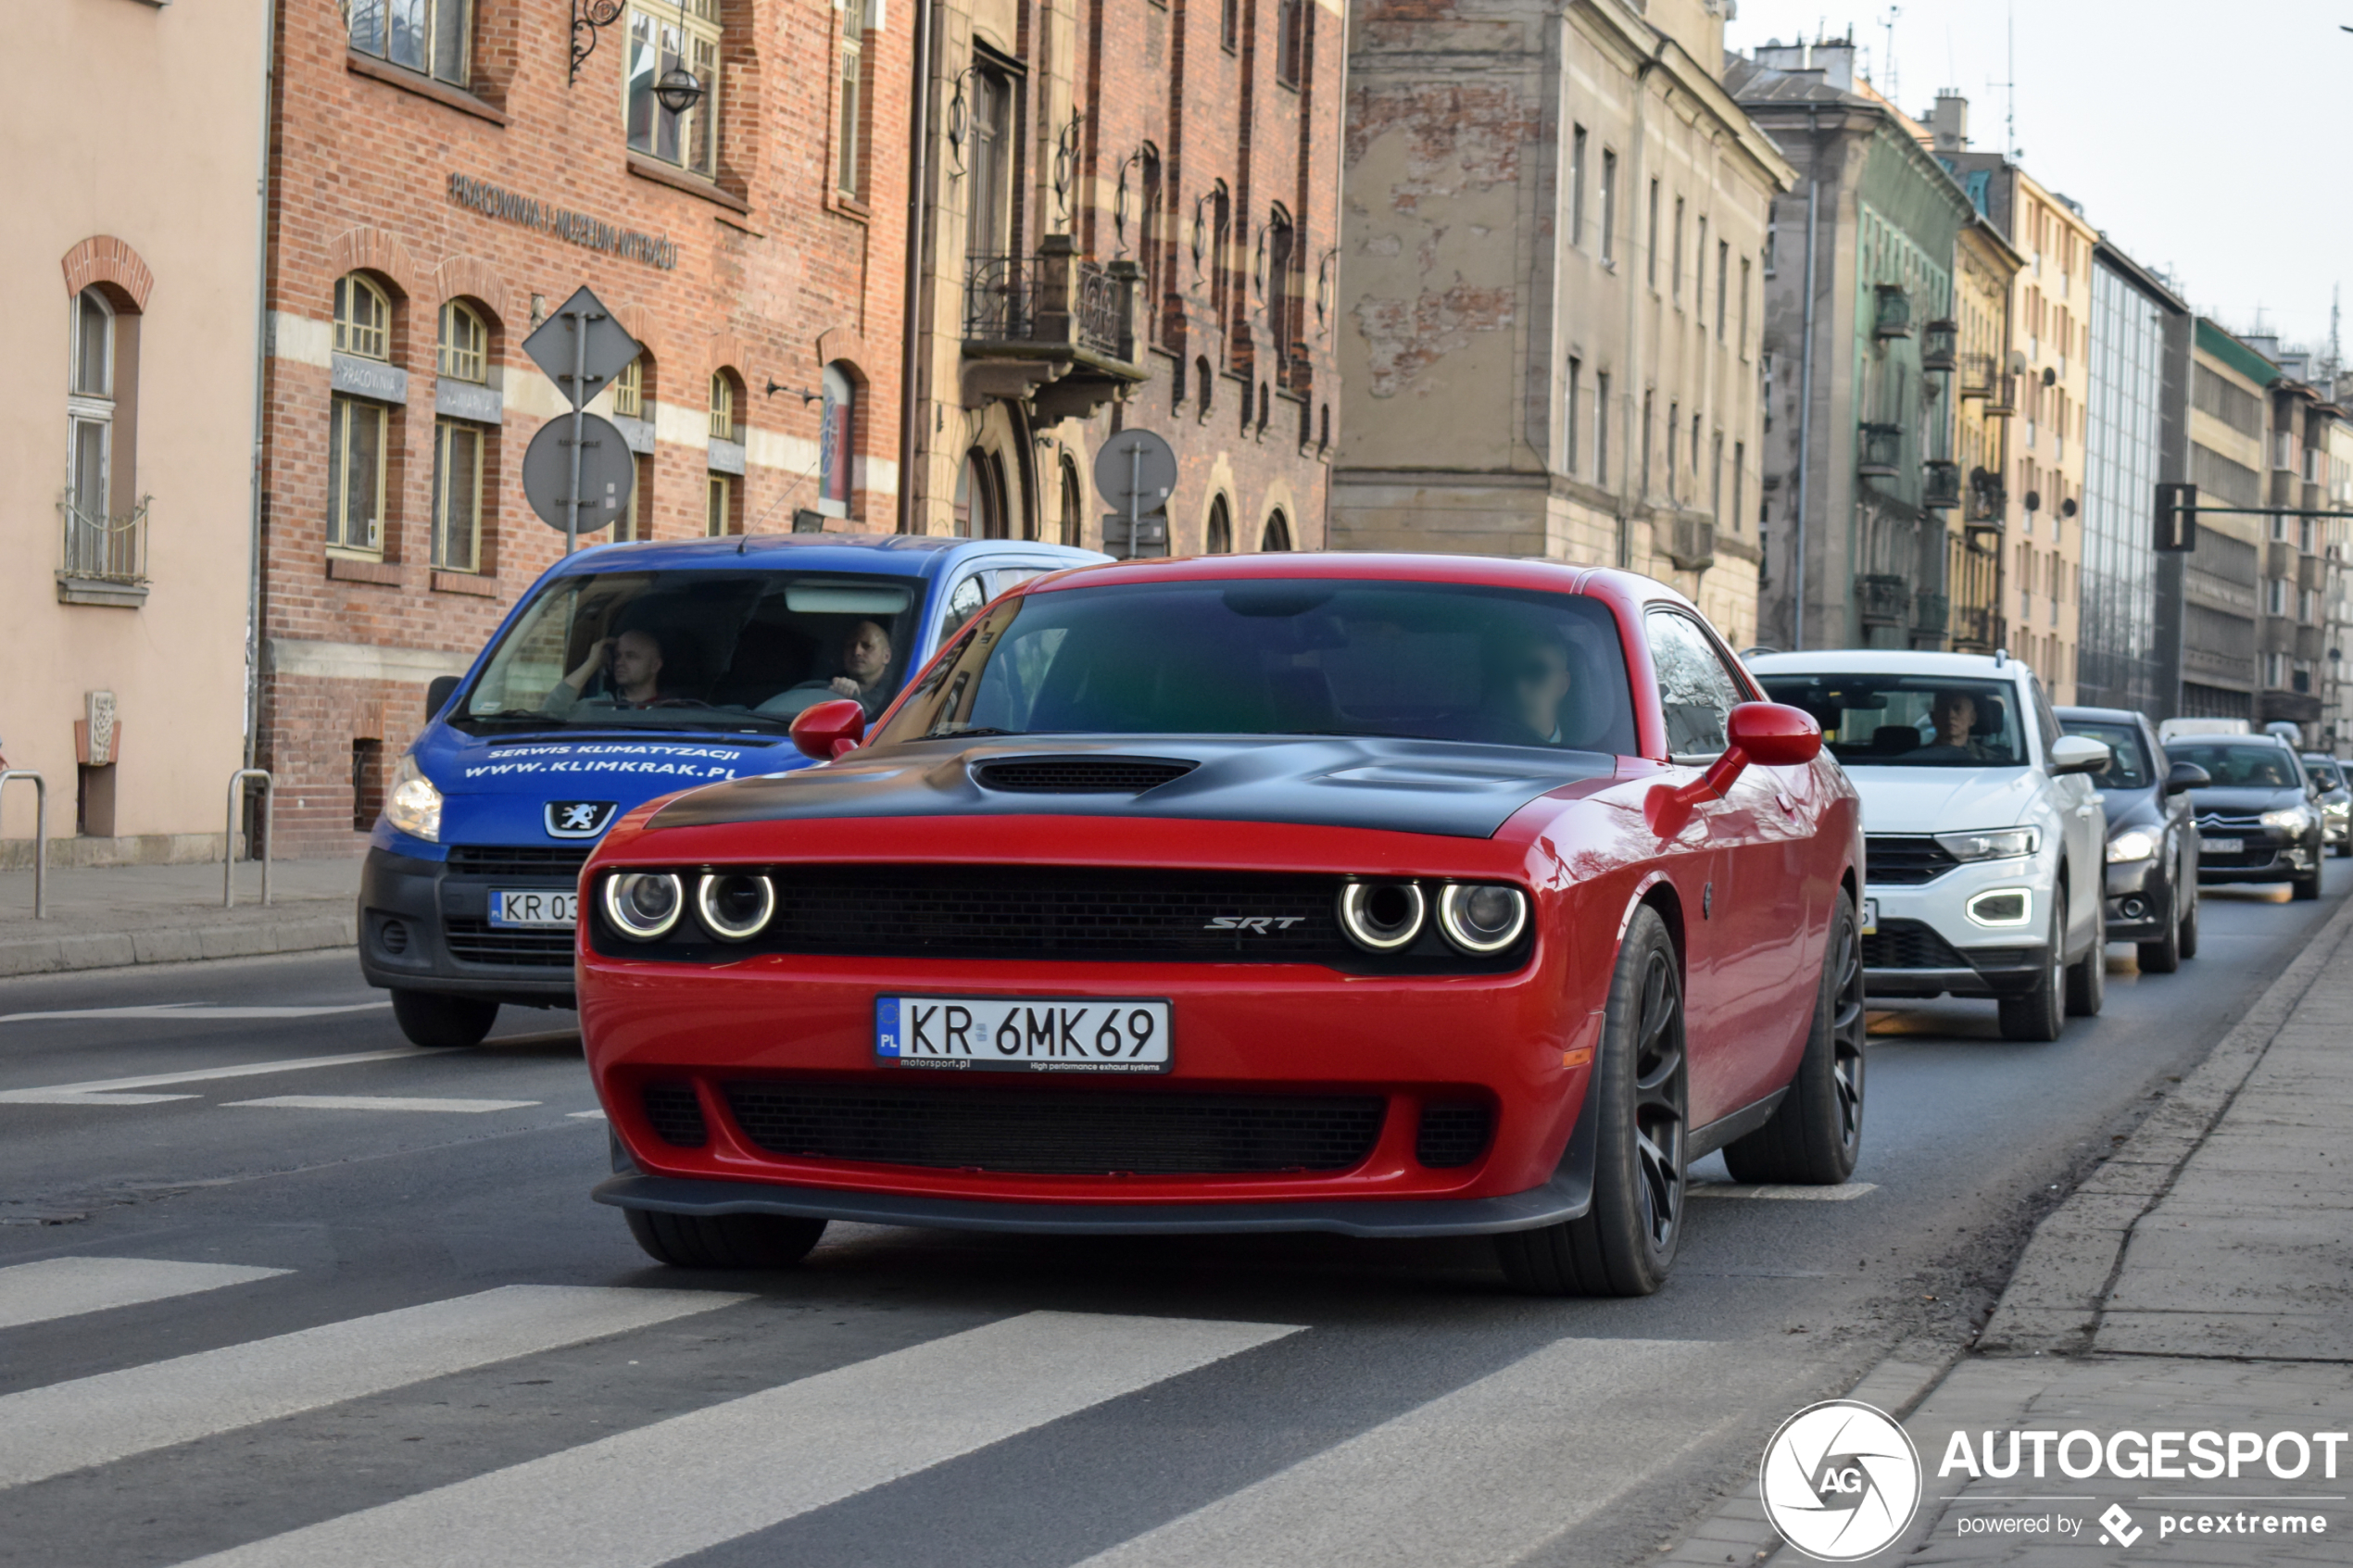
point(1861, 475)
point(2222, 584)
point(133, 262)
point(1127, 217)
point(1984, 409)
point(1555, 253)
point(444, 173)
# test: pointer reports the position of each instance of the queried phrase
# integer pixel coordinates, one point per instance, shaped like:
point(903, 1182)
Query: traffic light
point(2177, 517)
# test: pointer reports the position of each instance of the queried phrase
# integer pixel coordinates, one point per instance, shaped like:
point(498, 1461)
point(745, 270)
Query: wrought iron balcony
point(1884, 599)
point(1055, 328)
point(2001, 400)
point(105, 557)
point(1894, 317)
point(1941, 485)
point(1879, 453)
point(1940, 346)
point(1978, 374)
point(1989, 500)
point(1688, 540)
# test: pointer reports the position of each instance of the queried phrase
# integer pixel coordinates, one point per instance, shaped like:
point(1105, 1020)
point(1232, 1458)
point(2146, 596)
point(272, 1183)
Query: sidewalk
point(105, 917)
point(2201, 1283)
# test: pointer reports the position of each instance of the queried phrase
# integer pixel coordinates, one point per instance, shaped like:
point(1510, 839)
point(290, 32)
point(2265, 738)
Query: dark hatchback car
point(2152, 836)
point(2335, 801)
point(2257, 820)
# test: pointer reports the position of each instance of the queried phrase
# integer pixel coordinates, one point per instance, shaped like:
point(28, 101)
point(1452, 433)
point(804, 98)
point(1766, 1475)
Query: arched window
point(1218, 538)
point(1280, 296)
point(1277, 532)
point(359, 429)
point(980, 497)
point(464, 343)
point(723, 407)
point(364, 317)
point(836, 447)
point(89, 410)
point(1074, 505)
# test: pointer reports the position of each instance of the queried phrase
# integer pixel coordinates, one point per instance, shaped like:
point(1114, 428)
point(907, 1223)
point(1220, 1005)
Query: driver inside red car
point(633, 665)
point(1525, 700)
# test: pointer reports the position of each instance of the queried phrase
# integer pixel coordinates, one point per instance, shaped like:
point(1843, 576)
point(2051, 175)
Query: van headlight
point(643, 906)
point(2133, 844)
point(2002, 844)
point(413, 804)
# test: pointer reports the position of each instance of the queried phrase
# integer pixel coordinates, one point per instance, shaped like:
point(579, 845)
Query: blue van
point(629, 671)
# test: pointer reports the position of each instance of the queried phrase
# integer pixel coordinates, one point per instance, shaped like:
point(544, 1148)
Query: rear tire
point(1627, 1240)
point(439, 1021)
point(2306, 888)
point(2041, 1014)
point(2087, 977)
point(1816, 1133)
point(724, 1241)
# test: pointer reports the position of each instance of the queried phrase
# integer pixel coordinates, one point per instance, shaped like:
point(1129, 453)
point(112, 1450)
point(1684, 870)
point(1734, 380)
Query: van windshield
point(1908, 720)
point(694, 650)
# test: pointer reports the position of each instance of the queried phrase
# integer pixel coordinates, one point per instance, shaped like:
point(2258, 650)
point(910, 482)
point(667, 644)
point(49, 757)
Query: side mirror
point(826, 730)
point(1774, 735)
point(2183, 776)
point(2080, 754)
point(437, 694)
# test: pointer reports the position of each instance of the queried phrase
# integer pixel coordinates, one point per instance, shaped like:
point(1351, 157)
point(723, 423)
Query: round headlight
point(735, 905)
point(1381, 917)
point(1481, 917)
point(643, 905)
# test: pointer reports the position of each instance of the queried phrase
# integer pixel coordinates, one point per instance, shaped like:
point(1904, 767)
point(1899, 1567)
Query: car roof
point(895, 554)
point(2101, 715)
point(1499, 571)
point(1885, 661)
point(2232, 740)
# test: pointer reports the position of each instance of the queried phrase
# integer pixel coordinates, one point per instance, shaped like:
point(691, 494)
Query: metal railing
point(105, 548)
point(238, 781)
point(1013, 299)
point(40, 834)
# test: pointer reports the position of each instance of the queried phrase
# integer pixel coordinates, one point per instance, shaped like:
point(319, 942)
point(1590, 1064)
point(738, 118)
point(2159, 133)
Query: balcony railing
point(104, 559)
point(1988, 501)
point(1941, 484)
point(1894, 319)
point(1884, 599)
point(1879, 453)
point(2001, 400)
point(1940, 343)
point(1019, 299)
point(1979, 372)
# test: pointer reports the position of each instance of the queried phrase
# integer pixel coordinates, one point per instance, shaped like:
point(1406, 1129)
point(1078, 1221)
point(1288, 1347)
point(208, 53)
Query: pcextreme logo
point(1840, 1480)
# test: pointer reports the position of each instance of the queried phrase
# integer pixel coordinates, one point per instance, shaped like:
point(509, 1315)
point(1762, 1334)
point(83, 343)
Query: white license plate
point(541, 909)
point(1870, 917)
point(1023, 1033)
point(2221, 846)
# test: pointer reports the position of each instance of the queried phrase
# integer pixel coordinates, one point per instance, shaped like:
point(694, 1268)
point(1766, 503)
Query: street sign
point(581, 347)
point(1135, 471)
point(606, 473)
point(2176, 517)
point(1143, 537)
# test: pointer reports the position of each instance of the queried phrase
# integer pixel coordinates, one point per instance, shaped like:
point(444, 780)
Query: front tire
point(2188, 889)
point(2303, 889)
point(2087, 977)
point(2041, 1014)
point(2164, 955)
point(1816, 1133)
point(439, 1021)
point(1626, 1242)
point(724, 1241)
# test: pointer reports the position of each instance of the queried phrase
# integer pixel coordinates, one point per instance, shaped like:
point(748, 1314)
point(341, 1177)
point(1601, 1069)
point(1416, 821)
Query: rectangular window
point(1601, 428)
point(356, 447)
point(1576, 185)
point(1744, 271)
point(629, 391)
point(1650, 261)
point(1772, 243)
point(1716, 481)
point(657, 45)
point(719, 506)
point(428, 36)
point(1230, 24)
point(850, 176)
point(636, 518)
point(1675, 256)
point(457, 495)
point(1610, 206)
point(1649, 437)
point(1723, 284)
point(1674, 428)
point(1699, 273)
point(1290, 41)
point(1568, 422)
point(1739, 480)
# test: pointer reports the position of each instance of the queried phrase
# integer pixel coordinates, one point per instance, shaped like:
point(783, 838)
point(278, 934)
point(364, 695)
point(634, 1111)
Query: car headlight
point(2002, 906)
point(1481, 917)
point(2133, 844)
point(735, 905)
point(643, 905)
point(1381, 917)
point(2002, 844)
point(413, 804)
point(2288, 819)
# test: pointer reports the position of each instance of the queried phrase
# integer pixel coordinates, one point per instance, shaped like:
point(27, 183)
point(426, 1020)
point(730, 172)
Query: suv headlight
point(2288, 819)
point(413, 804)
point(2133, 844)
point(2002, 844)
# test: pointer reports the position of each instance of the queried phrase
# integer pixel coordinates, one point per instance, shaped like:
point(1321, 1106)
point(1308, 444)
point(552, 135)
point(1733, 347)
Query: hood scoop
point(1083, 774)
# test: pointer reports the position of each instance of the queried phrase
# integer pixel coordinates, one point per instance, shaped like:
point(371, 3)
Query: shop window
point(427, 36)
point(456, 495)
point(1276, 534)
point(836, 447)
point(463, 348)
point(661, 41)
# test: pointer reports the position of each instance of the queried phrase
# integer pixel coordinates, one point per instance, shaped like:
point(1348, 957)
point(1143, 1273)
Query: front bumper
point(423, 926)
point(2140, 900)
point(2281, 860)
point(1927, 945)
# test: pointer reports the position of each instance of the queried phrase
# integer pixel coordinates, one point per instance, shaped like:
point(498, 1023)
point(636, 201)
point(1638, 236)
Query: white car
point(1985, 839)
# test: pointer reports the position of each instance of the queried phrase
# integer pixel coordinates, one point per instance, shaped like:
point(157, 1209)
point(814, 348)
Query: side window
point(2045, 719)
point(1695, 692)
point(963, 602)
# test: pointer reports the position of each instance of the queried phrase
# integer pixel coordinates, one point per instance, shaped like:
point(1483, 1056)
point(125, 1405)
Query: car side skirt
point(1704, 1141)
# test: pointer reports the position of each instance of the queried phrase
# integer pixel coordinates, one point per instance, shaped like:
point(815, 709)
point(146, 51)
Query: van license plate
point(541, 909)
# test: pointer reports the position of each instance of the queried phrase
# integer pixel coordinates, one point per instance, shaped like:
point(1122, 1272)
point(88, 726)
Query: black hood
point(2244, 802)
point(2131, 808)
point(1445, 788)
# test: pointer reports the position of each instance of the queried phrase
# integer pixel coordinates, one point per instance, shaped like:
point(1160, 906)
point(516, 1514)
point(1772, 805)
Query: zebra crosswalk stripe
point(64, 1427)
point(679, 1485)
point(64, 1288)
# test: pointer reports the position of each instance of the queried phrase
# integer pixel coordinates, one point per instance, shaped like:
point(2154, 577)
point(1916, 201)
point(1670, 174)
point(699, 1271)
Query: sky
point(2207, 141)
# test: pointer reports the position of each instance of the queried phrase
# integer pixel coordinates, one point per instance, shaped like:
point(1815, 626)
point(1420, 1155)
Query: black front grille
point(974, 1128)
point(476, 941)
point(1081, 776)
point(676, 1114)
point(1909, 944)
point(537, 860)
point(1453, 1133)
point(1904, 859)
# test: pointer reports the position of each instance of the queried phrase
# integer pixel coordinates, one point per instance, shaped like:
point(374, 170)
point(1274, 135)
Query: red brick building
point(1129, 218)
point(444, 172)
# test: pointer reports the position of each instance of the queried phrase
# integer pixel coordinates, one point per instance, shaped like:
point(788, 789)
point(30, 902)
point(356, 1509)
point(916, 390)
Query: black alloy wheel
point(2041, 1014)
point(2087, 977)
point(724, 1241)
point(439, 1021)
point(1626, 1242)
point(1816, 1133)
point(2163, 955)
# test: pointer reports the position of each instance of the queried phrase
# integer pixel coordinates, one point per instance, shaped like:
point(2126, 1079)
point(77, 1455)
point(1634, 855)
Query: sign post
point(582, 349)
point(1135, 472)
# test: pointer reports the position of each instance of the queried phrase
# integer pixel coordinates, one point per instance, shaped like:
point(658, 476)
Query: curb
point(178, 944)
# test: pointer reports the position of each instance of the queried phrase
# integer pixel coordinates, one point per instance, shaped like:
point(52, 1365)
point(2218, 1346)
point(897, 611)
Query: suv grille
point(1904, 859)
point(1909, 944)
point(1048, 1133)
point(1081, 776)
point(553, 860)
point(476, 941)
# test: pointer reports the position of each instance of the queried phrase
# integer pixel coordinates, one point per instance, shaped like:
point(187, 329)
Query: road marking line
point(380, 1102)
point(102, 1091)
point(1485, 1474)
point(65, 1287)
point(586, 1116)
point(88, 1421)
point(193, 1009)
point(662, 1491)
point(1784, 1191)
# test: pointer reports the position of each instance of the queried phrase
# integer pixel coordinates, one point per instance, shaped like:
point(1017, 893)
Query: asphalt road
point(361, 1312)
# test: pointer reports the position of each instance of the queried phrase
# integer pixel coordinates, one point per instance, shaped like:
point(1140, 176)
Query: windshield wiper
point(978, 730)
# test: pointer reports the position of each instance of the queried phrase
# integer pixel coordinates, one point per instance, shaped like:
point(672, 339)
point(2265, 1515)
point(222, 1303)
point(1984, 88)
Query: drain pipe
point(260, 382)
point(1630, 467)
point(1806, 374)
point(910, 364)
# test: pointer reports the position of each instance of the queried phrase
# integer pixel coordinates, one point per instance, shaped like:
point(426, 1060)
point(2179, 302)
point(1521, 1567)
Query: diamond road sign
point(581, 347)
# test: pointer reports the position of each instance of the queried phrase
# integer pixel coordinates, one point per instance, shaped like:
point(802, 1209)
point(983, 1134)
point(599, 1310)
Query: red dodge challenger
point(1395, 895)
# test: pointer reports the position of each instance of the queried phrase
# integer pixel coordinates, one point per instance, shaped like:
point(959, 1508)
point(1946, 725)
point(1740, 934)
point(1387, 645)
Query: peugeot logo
point(578, 818)
point(1261, 923)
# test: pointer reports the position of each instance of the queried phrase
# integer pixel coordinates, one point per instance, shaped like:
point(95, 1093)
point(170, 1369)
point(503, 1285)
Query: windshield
point(1285, 657)
point(1908, 720)
point(695, 650)
point(2127, 765)
point(2238, 767)
point(2325, 769)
